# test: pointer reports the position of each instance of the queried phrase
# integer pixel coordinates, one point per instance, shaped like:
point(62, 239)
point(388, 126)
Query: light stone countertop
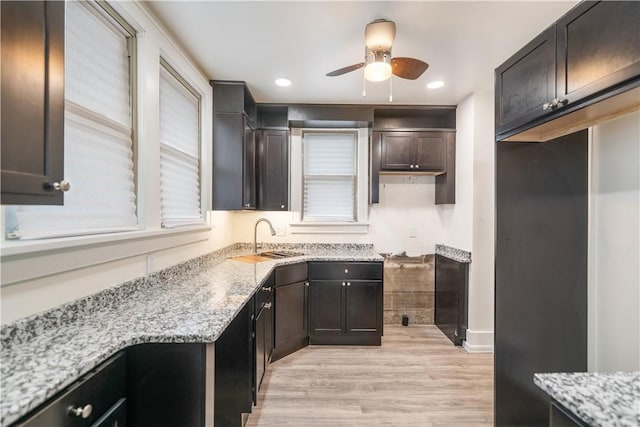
point(188, 303)
point(598, 399)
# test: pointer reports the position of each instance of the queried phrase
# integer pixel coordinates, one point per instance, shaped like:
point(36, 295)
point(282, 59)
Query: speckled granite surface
point(190, 302)
point(598, 399)
point(453, 253)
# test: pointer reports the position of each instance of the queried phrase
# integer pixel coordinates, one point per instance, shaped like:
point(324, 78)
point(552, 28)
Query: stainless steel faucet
point(255, 233)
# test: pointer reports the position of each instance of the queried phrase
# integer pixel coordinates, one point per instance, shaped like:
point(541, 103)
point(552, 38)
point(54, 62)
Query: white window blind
point(179, 152)
point(329, 177)
point(98, 151)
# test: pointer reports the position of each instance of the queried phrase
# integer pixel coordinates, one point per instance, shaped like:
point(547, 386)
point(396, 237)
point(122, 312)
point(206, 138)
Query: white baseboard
point(479, 341)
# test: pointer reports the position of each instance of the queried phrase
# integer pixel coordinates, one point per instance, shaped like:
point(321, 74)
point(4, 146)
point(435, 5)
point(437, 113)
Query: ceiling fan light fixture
point(377, 71)
point(379, 34)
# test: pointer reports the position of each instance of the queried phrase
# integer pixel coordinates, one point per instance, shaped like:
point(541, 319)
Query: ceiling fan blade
point(345, 70)
point(408, 68)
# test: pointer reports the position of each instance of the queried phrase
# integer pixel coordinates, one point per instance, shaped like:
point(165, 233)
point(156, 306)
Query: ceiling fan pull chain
point(364, 86)
point(390, 90)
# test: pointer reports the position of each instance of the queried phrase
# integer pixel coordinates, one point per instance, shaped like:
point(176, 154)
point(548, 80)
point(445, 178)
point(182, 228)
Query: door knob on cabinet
point(411, 166)
point(281, 206)
point(348, 283)
point(58, 186)
point(81, 411)
point(267, 305)
point(266, 288)
point(343, 284)
point(417, 166)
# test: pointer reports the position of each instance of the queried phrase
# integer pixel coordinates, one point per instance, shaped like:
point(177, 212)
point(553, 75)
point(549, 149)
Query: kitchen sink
point(266, 256)
point(279, 254)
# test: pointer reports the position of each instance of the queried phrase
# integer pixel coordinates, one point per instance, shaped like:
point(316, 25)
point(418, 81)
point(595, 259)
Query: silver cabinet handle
point(343, 283)
point(555, 103)
point(266, 288)
point(267, 305)
point(80, 411)
point(346, 270)
point(306, 284)
point(281, 206)
point(417, 166)
point(59, 186)
point(562, 101)
point(411, 166)
point(546, 106)
point(348, 283)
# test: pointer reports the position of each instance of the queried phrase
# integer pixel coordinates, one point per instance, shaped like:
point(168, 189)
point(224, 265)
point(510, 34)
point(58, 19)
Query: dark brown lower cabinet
point(541, 271)
point(103, 390)
point(451, 298)
point(166, 384)
point(291, 331)
point(345, 303)
point(233, 395)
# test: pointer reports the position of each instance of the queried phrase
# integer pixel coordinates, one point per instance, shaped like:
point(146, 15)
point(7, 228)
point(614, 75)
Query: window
point(179, 151)
point(99, 122)
point(329, 178)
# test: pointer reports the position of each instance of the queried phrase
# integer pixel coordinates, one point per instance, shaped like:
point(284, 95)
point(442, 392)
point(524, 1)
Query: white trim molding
point(479, 341)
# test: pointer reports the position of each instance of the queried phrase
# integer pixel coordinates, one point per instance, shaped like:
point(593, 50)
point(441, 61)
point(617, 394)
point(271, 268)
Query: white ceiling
point(257, 42)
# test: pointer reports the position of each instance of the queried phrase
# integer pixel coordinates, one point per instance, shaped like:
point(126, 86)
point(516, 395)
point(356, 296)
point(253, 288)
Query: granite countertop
point(455, 254)
point(190, 302)
point(598, 399)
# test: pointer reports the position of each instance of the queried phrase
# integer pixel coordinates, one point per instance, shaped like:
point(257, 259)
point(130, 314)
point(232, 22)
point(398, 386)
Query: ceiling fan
point(379, 65)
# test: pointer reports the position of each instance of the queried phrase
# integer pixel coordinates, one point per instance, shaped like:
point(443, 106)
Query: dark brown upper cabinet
point(525, 82)
point(32, 102)
point(273, 170)
point(234, 146)
point(583, 69)
point(414, 151)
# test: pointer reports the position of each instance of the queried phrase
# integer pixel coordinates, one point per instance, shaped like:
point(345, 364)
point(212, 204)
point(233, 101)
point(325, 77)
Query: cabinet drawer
point(100, 388)
point(345, 270)
point(293, 273)
point(263, 294)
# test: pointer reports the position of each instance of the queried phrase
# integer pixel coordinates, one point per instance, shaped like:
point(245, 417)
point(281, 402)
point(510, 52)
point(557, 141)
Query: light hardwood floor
point(416, 378)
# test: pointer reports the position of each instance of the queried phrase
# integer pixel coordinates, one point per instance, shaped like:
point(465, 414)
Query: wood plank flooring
point(416, 378)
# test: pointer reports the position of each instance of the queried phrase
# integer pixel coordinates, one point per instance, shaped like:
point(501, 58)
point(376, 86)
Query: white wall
point(457, 220)
point(481, 281)
point(405, 203)
point(614, 246)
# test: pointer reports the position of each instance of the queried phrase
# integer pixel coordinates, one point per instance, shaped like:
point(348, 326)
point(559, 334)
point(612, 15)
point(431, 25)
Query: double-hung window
point(99, 123)
point(329, 179)
point(329, 176)
point(179, 150)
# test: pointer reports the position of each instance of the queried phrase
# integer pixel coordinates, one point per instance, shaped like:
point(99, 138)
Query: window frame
point(361, 224)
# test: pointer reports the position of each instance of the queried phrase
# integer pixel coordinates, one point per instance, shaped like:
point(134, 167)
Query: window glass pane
point(96, 63)
point(179, 153)
point(329, 177)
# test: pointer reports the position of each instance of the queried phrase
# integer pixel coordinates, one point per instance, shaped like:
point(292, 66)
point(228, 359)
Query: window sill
point(329, 228)
point(26, 260)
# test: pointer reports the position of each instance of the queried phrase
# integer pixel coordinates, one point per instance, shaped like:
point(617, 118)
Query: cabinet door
point(249, 169)
point(598, 47)
point(398, 150)
point(327, 307)
point(363, 308)
point(234, 371)
point(273, 170)
point(32, 101)
point(291, 331)
point(525, 82)
point(431, 151)
point(228, 161)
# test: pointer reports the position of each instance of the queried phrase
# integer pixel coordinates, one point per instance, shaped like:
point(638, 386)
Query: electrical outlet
point(413, 233)
point(151, 263)
point(281, 231)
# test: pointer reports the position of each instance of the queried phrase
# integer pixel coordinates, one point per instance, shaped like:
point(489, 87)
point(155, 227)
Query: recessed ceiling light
point(435, 85)
point(283, 82)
